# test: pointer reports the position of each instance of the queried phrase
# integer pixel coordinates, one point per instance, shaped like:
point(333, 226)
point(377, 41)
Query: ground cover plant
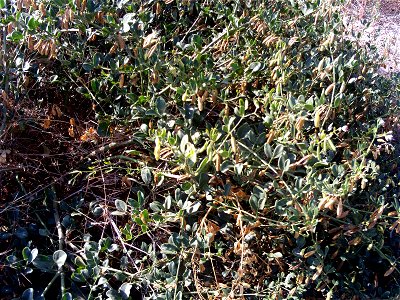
point(194, 150)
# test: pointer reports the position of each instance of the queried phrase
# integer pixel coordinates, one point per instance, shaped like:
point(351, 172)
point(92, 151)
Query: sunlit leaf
point(59, 257)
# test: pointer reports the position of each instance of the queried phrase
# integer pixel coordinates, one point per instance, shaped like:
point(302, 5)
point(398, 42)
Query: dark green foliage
point(248, 150)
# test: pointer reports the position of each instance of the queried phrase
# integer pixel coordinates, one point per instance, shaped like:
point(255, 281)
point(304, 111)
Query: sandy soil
point(378, 22)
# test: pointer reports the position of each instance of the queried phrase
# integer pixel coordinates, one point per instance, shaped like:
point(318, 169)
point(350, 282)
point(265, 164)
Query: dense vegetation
point(194, 150)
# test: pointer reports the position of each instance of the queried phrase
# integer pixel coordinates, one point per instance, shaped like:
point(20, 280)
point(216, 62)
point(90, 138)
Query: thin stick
point(60, 242)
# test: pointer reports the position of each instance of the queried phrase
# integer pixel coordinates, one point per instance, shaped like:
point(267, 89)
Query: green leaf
point(125, 290)
point(67, 296)
point(113, 295)
point(275, 255)
point(78, 261)
point(78, 277)
point(32, 24)
point(194, 208)
point(21, 233)
point(59, 257)
point(255, 67)
point(87, 67)
point(103, 129)
point(2, 4)
point(120, 205)
point(280, 207)
point(156, 206)
point(184, 141)
point(168, 202)
point(146, 176)
point(268, 151)
point(27, 294)
point(226, 166)
point(44, 262)
point(95, 85)
point(278, 151)
point(34, 254)
point(281, 163)
point(161, 105)
point(96, 59)
point(29, 255)
point(26, 253)
point(169, 249)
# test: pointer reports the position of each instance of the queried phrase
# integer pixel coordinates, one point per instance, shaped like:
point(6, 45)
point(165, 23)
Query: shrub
point(241, 150)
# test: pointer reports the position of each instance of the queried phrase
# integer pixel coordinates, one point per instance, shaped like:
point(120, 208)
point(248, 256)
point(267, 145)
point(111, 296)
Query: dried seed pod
point(328, 68)
point(46, 48)
point(113, 49)
point(150, 51)
point(317, 118)
point(300, 278)
point(56, 111)
point(300, 123)
point(355, 241)
point(46, 123)
point(319, 269)
point(121, 41)
point(309, 253)
point(243, 87)
point(157, 148)
point(389, 271)
point(25, 81)
point(42, 9)
point(200, 103)
point(329, 89)
point(53, 50)
point(233, 144)
point(10, 27)
point(363, 184)
point(214, 96)
point(71, 15)
point(322, 203)
point(184, 96)
point(364, 69)
point(33, 4)
point(158, 8)
point(271, 136)
point(218, 160)
point(30, 43)
point(78, 4)
point(4, 95)
point(64, 24)
point(27, 3)
point(321, 65)
point(99, 16)
point(339, 208)
point(330, 203)
point(121, 80)
point(71, 131)
point(226, 110)
point(154, 78)
point(92, 38)
point(19, 5)
point(342, 87)
point(205, 95)
point(38, 45)
point(83, 5)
